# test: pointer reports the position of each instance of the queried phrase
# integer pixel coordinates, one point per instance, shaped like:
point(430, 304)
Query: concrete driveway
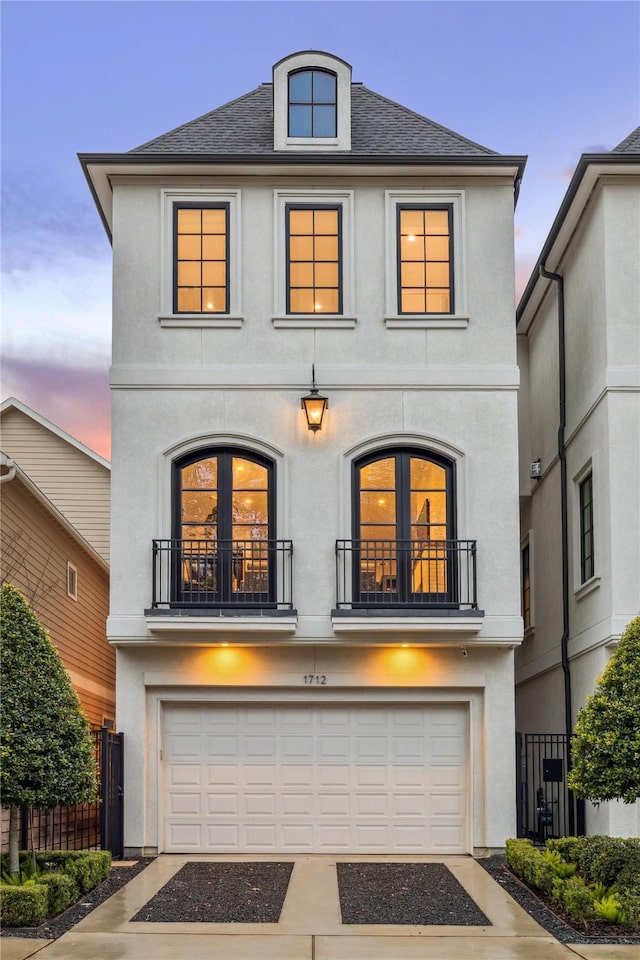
point(310, 926)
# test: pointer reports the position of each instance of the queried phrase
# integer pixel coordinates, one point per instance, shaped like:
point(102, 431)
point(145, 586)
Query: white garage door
point(325, 779)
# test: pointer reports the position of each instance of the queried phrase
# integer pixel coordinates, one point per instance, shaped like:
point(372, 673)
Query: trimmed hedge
point(23, 906)
point(607, 882)
point(63, 876)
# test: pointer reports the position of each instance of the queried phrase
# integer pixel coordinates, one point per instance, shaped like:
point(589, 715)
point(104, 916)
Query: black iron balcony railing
point(423, 574)
point(222, 574)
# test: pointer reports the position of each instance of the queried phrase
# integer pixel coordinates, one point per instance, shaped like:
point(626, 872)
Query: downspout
point(564, 522)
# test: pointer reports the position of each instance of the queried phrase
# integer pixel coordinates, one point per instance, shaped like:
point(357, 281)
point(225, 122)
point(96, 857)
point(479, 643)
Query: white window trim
point(580, 588)
point(311, 59)
point(167, 317)
point(72, 581)
point(344, 199)
point(459, 319)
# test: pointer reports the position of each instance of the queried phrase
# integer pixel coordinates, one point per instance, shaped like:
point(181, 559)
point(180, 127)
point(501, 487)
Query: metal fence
point(546, 806)
point(83, 826)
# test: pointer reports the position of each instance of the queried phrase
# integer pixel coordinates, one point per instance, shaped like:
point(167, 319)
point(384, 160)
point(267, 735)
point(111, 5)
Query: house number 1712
point(317, 679)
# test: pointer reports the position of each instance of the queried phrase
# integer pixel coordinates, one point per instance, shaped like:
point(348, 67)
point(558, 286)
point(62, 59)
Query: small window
point(587, 568)
point(72, 581)
point(526, 586)
point(312, 104)
point(201, 258)
point(314, 259)
point(425, 259)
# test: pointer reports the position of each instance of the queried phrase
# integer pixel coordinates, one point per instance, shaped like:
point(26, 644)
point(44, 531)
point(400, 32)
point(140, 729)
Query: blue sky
point(547, 79)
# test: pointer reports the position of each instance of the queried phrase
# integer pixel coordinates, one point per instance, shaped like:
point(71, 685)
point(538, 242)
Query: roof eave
point(99, 167)
point(586, 176)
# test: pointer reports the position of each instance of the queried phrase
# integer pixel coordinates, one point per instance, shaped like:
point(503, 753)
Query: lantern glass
point(314, 407)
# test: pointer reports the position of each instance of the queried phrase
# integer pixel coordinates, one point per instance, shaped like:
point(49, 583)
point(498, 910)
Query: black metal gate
point(546, 807)
point(111, 760)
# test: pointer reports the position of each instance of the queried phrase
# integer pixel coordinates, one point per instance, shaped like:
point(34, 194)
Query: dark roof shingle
point(630, 144)
point(379, 127)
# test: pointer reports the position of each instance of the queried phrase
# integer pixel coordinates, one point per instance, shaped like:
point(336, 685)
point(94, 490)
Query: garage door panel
point(323, 778)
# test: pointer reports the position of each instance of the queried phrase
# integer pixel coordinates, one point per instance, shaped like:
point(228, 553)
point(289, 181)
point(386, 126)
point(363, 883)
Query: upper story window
point(425, 259)
point(200, 258)
point(314, 262)
point(72, 581)
point(587, 568)
point(201, 268)
point(425, 255)
point(404, 528)
point(312, 104)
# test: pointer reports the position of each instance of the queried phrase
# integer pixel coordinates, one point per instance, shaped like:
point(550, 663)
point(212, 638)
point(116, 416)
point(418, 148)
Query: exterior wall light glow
point(314, 405)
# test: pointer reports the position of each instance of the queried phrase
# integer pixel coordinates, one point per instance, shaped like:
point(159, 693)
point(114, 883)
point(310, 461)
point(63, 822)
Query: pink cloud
point(75, 399)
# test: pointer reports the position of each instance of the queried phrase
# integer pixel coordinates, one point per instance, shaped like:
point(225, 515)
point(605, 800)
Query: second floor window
point(526, 586)
point(587, 569)
point(223, 519)
point(425, 259)
point(403, 527)
point(201, 259)
point(314, 259)
point(312, 104)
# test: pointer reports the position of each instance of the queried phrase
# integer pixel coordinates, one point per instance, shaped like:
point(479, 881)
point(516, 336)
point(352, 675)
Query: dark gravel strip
point(423, 894)
point(55, 927)
point(221, 893)
point(542, 914)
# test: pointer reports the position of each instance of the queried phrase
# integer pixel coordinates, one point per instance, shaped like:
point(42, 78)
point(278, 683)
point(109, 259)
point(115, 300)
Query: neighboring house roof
point(379, 128)
point(10, 471)
point(11, 402)
point(75, 479)
point(623, 160)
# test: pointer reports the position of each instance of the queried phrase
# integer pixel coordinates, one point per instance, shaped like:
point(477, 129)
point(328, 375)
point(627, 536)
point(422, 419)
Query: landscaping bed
point(113, 878)
point(565, 886)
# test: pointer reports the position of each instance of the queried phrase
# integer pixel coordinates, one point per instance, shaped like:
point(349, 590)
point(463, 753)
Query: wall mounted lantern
point(314, 405)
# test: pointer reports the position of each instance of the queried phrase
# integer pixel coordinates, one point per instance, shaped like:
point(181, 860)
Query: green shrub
point(88, 868)
point(530, 864)
point(62, 891)
point(560, 867)
point(24, 906)
point(610, 860)
point(578, 899)
point(630, 909)
point(569, 848)
point(608, 909)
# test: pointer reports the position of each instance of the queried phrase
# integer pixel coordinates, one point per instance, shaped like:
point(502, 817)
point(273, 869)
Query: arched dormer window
point(313, 104)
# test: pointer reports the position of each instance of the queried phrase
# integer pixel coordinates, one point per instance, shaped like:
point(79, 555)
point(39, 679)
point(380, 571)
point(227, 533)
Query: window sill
point(414, 321)
point(587, 587)
point(311, 320)
point(200, 320)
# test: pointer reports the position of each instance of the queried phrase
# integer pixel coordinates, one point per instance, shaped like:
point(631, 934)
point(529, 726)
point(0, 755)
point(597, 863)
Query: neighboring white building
point(315, 629)
point(594, 251)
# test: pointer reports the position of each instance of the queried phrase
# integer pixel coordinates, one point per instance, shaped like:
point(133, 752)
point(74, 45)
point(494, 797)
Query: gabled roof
point(9, 470)
point(379, 128)
point(623, 160)
point(12, 403)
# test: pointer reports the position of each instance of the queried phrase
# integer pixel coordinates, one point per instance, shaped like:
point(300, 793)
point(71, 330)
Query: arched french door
point(404, 528)
point(224, 521)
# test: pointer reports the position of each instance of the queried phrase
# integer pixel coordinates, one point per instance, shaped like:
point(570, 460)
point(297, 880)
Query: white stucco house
point(315, 623)
point(579, 352)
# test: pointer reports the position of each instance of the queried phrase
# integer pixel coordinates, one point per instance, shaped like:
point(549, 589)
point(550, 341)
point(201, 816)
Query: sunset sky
point(550, 80)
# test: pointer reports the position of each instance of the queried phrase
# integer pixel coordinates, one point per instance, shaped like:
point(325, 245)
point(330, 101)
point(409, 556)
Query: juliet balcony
point(406, 577)
point(227, 576)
